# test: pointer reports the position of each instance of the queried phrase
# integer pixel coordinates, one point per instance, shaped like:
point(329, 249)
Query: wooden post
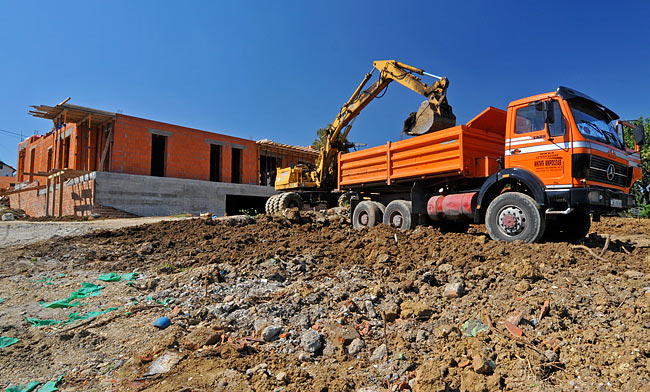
point(47, 197)
point(61, 177)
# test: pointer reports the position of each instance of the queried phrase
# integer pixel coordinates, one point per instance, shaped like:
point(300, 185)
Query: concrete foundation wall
point(163, 196)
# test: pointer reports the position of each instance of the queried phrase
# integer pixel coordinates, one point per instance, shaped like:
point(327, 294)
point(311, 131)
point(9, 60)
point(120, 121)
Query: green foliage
point(640, 190)
point(321, 136)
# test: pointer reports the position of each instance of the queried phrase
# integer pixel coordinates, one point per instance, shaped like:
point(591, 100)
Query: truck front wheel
point(514, 216)
point(366, 214)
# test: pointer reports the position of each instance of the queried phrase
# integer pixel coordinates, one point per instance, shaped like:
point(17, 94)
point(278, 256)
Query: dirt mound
point(304, 302)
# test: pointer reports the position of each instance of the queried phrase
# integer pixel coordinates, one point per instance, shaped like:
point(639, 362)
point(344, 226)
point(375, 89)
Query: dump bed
point(462, 151)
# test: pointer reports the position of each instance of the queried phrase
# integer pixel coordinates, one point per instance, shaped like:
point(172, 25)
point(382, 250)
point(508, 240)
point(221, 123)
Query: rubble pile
point(302, 302)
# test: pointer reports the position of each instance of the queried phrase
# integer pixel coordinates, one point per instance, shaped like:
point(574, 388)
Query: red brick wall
point(5, 182)
point(78, 200)
point(187, 155)
point(40, 145)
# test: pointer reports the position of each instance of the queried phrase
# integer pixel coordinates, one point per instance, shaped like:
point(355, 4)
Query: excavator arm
point(434, 114)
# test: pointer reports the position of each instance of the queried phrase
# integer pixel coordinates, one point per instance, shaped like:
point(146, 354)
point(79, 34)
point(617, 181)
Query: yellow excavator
point(316, 185)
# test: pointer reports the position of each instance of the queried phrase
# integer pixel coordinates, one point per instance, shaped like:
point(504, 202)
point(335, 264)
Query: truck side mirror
point(639, 135)
point(547, 108)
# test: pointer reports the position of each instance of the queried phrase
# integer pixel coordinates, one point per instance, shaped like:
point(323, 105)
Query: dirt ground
point(306, 303)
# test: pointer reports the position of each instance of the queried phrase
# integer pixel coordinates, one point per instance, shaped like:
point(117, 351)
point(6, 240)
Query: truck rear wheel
point(366, 214)
point(399, 214)
point(514, 216)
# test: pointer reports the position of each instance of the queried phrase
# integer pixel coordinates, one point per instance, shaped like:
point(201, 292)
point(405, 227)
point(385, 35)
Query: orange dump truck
point(547, 164)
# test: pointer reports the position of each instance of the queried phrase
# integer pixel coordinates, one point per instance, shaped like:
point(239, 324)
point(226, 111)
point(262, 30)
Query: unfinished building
point(95, 161)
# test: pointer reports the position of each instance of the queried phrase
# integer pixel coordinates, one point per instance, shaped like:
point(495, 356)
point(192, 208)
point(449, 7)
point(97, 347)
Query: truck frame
point(546, 165)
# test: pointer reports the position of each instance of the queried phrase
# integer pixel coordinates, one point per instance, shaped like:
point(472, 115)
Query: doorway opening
point(268, 169)
point(66, 152)
point(215, 162)
point(158, 148)
point(236, 166)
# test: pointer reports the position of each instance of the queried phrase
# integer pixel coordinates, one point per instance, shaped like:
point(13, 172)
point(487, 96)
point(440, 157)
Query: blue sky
point(282, 69)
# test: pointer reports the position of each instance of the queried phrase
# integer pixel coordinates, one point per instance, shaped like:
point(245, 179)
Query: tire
point(290, 200)
point(382, 208)
point(399, 215)
point(268, 207)
point(344, 199)
point(275, 205)
point(575, 226)
point(366, 214)
point(514, 216)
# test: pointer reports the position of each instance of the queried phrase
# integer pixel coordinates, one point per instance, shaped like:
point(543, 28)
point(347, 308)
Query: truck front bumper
point(595, 200)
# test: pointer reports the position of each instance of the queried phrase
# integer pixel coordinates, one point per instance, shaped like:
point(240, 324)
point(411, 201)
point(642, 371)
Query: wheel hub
point(512, 220)
point(363, 219)
point(397, 220)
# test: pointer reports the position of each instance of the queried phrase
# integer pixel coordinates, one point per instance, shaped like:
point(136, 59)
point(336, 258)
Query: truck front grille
point(598, 171)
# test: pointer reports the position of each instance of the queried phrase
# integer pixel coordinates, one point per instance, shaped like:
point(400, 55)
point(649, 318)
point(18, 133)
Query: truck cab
point(565, 150)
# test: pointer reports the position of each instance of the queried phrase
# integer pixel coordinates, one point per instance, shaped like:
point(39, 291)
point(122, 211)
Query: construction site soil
point(302, 302)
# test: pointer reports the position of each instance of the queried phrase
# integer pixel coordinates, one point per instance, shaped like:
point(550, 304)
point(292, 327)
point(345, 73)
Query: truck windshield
point(594, 122)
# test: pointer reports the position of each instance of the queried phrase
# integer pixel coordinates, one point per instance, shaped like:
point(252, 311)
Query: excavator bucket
point(427, 119)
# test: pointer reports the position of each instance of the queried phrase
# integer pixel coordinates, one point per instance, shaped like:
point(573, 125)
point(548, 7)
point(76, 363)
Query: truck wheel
point(575, 226)
point(382, 208)
point(291, 200)
point(514, 216)
point(399, 214)
point(366, 214)
point(344, 199)
point(268, 207)
point(275, 205)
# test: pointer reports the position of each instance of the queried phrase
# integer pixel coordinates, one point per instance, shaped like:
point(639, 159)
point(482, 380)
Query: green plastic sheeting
point(86, 290)
point(471, 328)
point(114, 277)
point(49, 386)
point(72, 317)
point(6, 342)
point(24, 388)
point(2, 300)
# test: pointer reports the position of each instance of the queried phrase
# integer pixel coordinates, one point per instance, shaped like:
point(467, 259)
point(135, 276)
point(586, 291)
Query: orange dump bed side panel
point(454, 152)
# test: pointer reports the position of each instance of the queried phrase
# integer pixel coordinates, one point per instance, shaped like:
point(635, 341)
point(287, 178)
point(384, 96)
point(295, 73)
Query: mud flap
point(418, 198)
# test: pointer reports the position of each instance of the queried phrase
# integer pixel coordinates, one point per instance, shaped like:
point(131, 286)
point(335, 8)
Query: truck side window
point(529, 120)
point(557, 128)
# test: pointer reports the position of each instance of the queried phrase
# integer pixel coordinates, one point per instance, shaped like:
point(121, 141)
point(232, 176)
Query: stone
point(370, 309)
point(483, 365)
point(633, 274)
point(383, 258)
point(522, 286)
point(145, 249)
point(454, 290)
point(8, 217)
point(281, 377)
point(551, 356)
point(445, 268)
point(418, 310)
point(391, 310)
point(164, 363)
point(271, 332)
point(311, 341)
point(421, 336)
point(379, 354)
point(199, 337)
point(341, 335)
point(356, 346)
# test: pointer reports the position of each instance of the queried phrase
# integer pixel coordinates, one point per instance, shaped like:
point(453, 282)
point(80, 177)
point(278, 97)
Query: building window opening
point(32, 159)
point(66, 152)
point(215, 162)
point(268, 169)
point(236, 166)
point(158, 149)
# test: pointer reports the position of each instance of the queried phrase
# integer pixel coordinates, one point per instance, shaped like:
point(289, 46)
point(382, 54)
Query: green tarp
point(114, 277)
point(87, 289)
point(6, 342)
point(49, 386)
point(35, 322)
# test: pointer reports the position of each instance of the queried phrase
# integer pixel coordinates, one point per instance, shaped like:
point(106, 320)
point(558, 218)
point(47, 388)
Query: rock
point(271, 332)
point(383, 258)
point(633, 274)
point(527, 270)
point(421, 336)
point(341, 335)
point(445, 268)
point(356, 346)
point(311, 341)
point(370, 309)
point(164, 363)
point(281, 377)
point(292, 215)
point(418, 310)
point(551, 356)
point(391, 310)
point(304, 357)
point(6, 217)
point(429, 278)
point(483, 365)
point(145, 249)
point(199, 337)
point(407, 286)
point(522, 286)
point(379, 354)
point(454, 290)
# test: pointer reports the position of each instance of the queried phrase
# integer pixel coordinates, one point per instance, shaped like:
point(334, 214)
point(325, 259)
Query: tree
point(642, 189)
point(321, 136)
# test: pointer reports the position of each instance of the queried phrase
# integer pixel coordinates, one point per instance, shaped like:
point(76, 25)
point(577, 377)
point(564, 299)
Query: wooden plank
point(61, 179)
point(47, 197)
point(108, 143)
point(31, 188)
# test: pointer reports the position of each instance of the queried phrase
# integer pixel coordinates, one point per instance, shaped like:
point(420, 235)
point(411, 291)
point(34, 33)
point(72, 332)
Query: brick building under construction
point(110, 162)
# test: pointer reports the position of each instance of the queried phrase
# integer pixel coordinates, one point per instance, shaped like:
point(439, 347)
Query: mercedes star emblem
point(610, 172)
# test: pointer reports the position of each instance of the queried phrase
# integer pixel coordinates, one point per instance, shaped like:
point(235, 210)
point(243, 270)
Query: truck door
point(541, 148)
